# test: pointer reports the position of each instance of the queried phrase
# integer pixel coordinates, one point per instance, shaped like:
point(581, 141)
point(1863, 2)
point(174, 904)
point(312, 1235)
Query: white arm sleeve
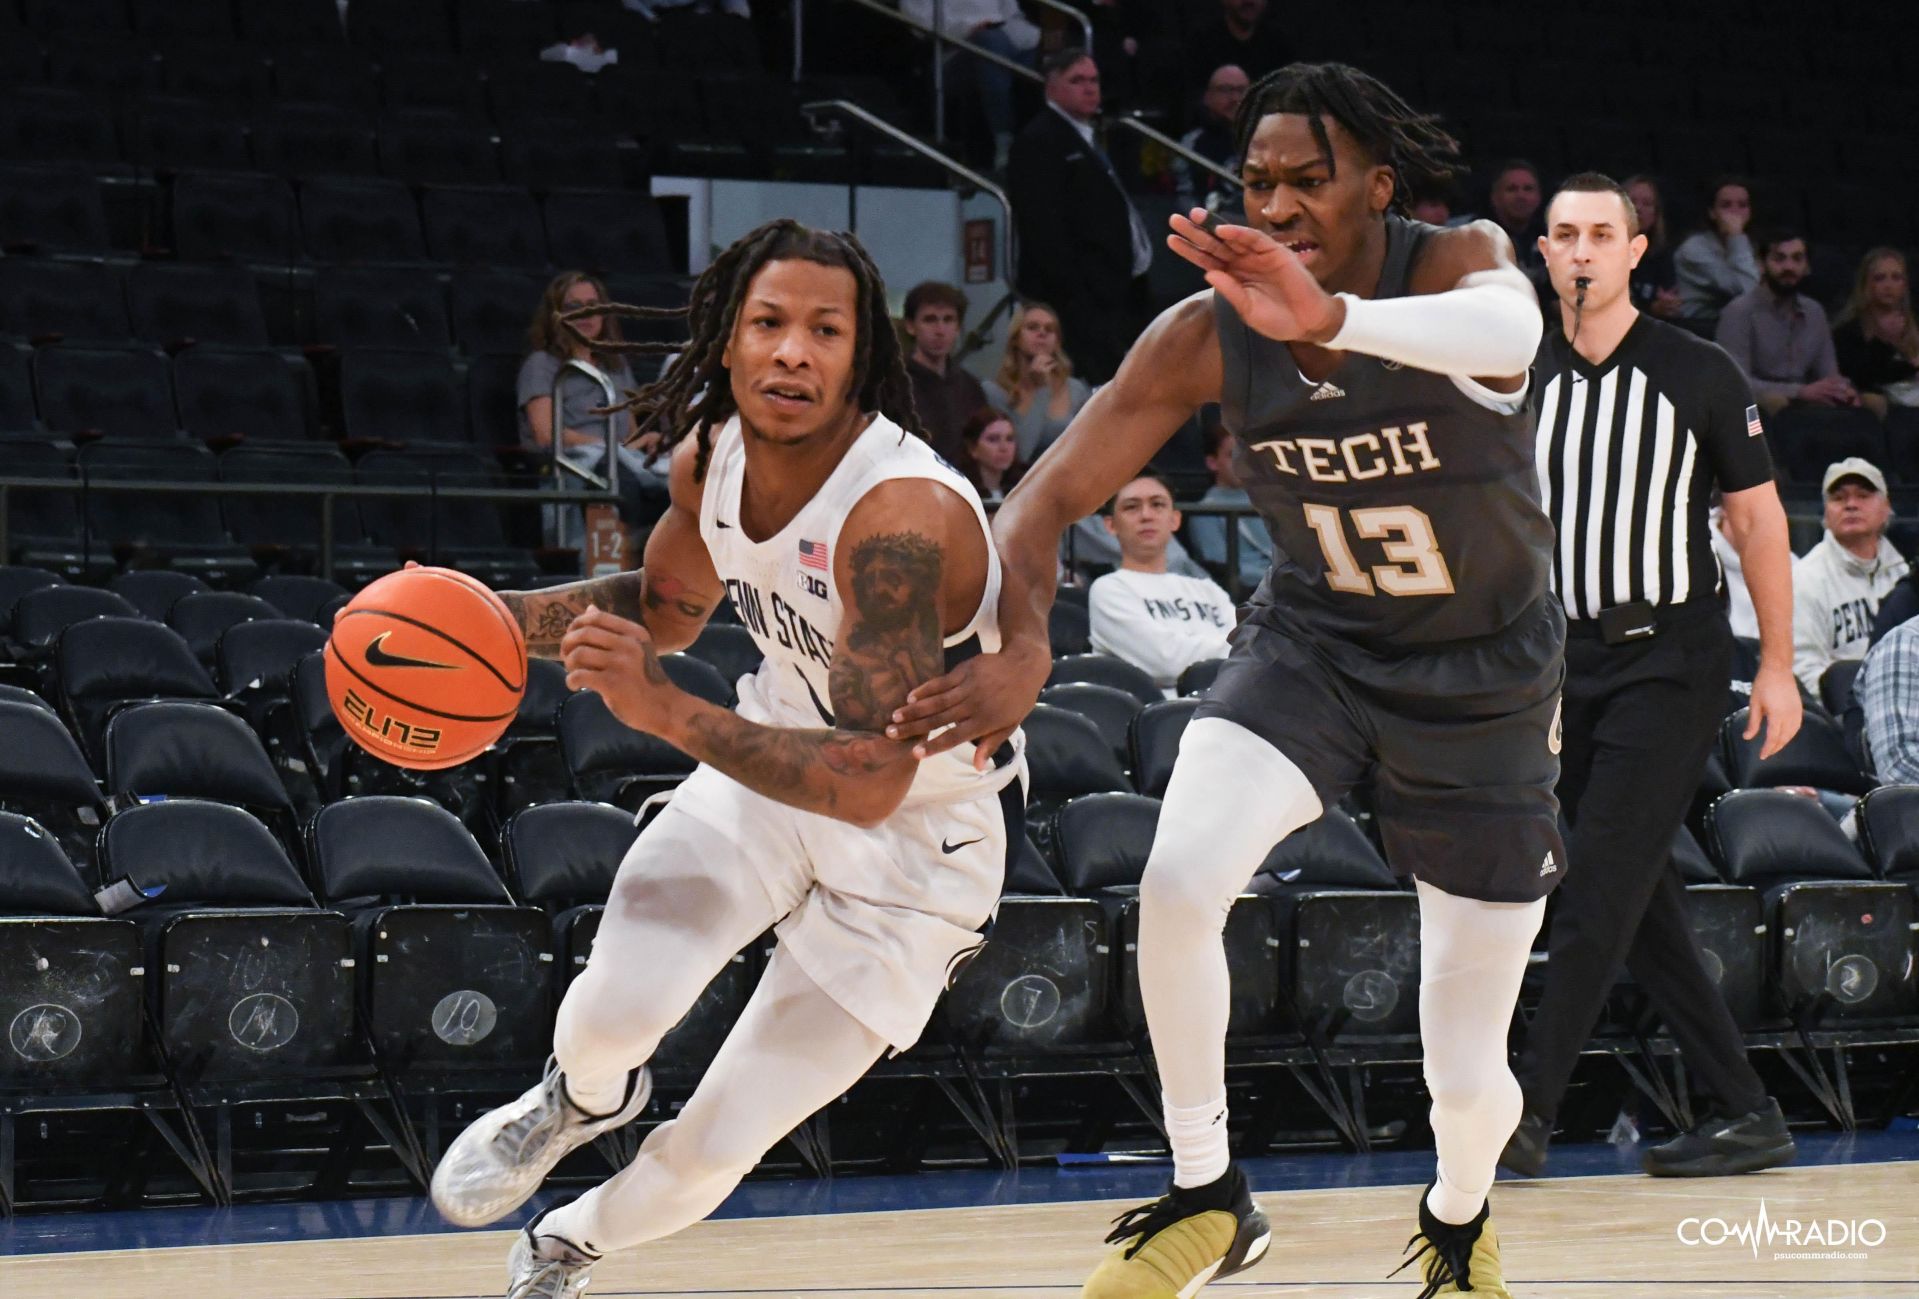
point(1490, 325)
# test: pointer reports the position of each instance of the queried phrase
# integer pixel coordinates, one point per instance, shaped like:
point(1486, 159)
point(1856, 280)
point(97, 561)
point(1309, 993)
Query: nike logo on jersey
point(1548, 866)
point(377, 655)
point(1327, 391)
point(946, 847)
point(1556, 737)
point(721, 523)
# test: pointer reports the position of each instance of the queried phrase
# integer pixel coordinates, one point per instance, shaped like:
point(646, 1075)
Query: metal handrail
point(952, 164)
point(560, 465)
point(323, 493)
point(1132, 122)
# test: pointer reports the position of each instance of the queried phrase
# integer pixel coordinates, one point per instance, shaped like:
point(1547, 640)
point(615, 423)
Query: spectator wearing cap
point(1144, 613)
point(1838, 584)
point(1715, 265)
point(1876, 337)
point(1213, 138)
point(944, 392)
point(1082, 245)
point(1780, 337)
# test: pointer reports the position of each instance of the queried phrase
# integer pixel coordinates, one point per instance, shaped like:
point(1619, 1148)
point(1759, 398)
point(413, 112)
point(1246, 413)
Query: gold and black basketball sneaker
point(1456, 1260)
point(1170, 1248)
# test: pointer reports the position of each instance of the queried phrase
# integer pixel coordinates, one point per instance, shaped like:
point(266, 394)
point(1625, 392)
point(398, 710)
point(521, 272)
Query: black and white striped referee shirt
point(1629, 452)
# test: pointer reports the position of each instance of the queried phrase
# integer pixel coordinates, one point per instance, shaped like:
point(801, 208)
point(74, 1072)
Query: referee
point(1638, 422)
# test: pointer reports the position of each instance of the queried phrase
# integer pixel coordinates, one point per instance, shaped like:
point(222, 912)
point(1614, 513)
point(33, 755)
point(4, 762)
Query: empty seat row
point(241, 216)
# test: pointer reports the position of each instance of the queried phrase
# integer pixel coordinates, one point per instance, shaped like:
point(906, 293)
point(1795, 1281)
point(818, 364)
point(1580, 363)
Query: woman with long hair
point(991, 461)
point(1717, 263)
point(1876, 336)
point(1035, 384)
point(557, 364)
point(1655, 284)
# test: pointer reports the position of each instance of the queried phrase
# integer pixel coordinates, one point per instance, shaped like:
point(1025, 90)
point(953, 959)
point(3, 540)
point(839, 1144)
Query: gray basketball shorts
point(1460, 742)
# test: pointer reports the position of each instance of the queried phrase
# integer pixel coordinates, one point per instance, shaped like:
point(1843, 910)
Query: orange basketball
point(425, 668)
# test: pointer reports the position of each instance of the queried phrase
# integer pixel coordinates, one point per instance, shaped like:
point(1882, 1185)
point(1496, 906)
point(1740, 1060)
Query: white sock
point(597, 1097)
point(1198, 1137)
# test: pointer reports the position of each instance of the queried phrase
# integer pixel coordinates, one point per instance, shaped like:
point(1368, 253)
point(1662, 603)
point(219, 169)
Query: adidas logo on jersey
point(1548, 866)
point(1327, 391)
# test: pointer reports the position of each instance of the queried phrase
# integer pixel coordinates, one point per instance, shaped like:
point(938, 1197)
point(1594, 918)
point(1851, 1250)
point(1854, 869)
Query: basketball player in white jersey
point(861, 564)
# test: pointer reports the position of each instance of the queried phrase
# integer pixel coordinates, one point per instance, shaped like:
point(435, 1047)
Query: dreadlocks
point(1420, 152)
point(694, 393)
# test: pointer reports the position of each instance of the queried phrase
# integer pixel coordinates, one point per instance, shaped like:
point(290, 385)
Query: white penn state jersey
point(784, 592)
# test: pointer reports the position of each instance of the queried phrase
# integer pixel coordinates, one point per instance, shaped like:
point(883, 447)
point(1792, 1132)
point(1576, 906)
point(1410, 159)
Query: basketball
point(425, 668)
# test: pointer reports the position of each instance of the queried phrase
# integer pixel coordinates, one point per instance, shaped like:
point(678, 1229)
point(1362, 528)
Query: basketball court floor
point(1592, 1231)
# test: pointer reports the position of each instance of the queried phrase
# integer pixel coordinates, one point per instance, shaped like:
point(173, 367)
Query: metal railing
point(323, 495)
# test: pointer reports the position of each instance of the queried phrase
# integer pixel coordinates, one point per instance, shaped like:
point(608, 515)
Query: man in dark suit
point(1083, 249)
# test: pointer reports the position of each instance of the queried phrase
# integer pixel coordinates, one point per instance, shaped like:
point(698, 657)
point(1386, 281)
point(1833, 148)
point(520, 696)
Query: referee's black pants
point(1639, 722)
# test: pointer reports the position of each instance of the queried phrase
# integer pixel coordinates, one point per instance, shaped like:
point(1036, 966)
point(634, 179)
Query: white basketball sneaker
point(546, 1267)
point(494, 1166)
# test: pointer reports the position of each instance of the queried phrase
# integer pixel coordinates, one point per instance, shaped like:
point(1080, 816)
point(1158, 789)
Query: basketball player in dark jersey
point(1375, 372)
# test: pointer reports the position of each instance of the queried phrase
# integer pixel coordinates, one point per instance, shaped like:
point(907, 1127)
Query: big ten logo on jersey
point(421, 739)
point(1354, 459)
point(772, 618)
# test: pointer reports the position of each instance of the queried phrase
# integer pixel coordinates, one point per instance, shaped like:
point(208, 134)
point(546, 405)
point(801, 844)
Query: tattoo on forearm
point(892, 646)
point(545, 615)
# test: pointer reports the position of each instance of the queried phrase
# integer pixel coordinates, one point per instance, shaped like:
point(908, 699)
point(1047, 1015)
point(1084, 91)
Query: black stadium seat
point(184, 134)
point(609, 761)
point(452, 973)
point(370, 220)
point(233, 392)
point(606, 230)
point(41, 614)
point(387, 308)
point(400, 397)
point(1198, 679)
point(255, 660)
point(1068, 628)
point(205, 304)
point(1106, 670)
point(466, 534)
point(534, 154)
point(1066, 756)
point(153, 590)
point(43, 124)
point(492, 309)
point(52, 208)
point(730, 648)
point(16, 581)
point(432, 149)
point(217, 72)
point(1816, 756)
point(1808, 438)
point(44, 775)
point(291, 528)
point(185, 749)
point(182, 529)
point(67, 300)
point(234, 218)
point(319, 74)
point(123, 392)
point(1107, 707)
point(484, 226)
point(1154, 742)
point(293, 24)
point(1889, 831)
point(103, 662)
point(296, 595)
point(202, 618)
point(314, 140)
point(234, 905)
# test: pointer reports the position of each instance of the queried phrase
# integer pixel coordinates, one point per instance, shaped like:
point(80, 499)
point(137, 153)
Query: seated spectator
point(1876, 339)
point(1779, 336)
point(1655, 283)
point(1515, 204)
point(1838, 584)
point(996, 25)
point(1887, 689)
point(1739, 610)
point(1035, 384)
point(1434, 207)
point(587, 379)
point(943, 391)
point(1213, 138)
point(1208, 531)
point(1243, 33)
point(990, 459)
point(1158, 620)
point(1715, 265)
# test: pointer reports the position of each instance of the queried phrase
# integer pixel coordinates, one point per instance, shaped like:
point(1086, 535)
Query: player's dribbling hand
point(983, 701)
point(1776, 705)
point(615, 659)
point(1267, 284)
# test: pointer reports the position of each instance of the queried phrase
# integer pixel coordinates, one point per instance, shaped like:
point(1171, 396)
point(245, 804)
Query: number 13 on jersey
point(1405, 534)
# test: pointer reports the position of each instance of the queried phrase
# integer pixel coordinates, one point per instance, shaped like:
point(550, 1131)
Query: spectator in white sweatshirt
point(1837, 585)
point(1158, 620)
point(1739, 610)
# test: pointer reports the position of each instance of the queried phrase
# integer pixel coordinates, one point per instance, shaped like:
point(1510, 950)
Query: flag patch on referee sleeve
point(1753, 427)
point(813, 555)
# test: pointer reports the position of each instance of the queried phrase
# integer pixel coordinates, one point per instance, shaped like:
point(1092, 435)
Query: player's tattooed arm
point(851, 772)
point(545, 615)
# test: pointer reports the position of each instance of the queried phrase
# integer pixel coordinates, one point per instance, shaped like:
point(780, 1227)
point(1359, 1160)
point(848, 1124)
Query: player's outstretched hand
point(615, 659)
point(1776, 705)
point(1270, 288)
point(983, 701)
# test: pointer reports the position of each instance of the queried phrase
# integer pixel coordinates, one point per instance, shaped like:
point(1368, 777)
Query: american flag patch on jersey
point(813, 555)
point(1753, 427)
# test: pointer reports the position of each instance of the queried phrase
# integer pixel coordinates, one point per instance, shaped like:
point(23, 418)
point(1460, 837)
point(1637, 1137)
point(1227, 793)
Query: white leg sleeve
point(793, 1051)
point(684, 902)
point(1472, 956)
point(1231, 798)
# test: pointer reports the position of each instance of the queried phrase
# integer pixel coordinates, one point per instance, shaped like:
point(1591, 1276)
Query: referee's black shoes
point(1744, 1143)
point(1525, 1152)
